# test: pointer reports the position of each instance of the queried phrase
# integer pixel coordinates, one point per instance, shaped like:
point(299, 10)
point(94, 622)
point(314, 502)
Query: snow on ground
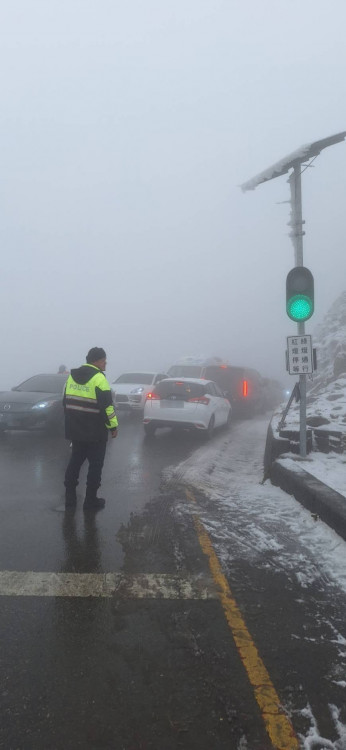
point(330, 341)
point(326, 400)
point(329, 403)
point(263, 523)
point(326, 410)
point(229, 470)
point(329, 468)
point(313, 740)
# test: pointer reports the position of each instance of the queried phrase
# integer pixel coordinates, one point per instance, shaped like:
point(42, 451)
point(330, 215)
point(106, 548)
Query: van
point(243, 386)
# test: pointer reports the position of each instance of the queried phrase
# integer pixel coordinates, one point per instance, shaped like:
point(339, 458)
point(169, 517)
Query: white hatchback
point(188, 403)
point(130, 389)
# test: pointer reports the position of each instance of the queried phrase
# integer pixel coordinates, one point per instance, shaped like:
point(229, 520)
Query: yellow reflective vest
point(88, 405)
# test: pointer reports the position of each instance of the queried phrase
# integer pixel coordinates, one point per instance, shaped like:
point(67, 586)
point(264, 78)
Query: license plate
point(172, 404)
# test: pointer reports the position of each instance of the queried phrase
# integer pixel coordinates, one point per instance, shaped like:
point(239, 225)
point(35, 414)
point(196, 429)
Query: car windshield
point(180, 388)
point(185, 371)
point(43, 384)
point(146, 378)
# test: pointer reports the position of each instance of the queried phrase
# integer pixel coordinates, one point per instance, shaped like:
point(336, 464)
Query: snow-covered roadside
point(329, 468)
point(266, 526)
point(326, 411)
point(227, 472)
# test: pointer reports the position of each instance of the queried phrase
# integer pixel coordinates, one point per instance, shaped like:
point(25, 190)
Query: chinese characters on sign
point(299, 355)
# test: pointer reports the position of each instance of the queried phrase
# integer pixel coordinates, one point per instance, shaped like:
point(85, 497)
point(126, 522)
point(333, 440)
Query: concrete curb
point(317, 497)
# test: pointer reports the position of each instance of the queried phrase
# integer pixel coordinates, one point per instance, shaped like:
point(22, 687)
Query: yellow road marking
point(277, 724)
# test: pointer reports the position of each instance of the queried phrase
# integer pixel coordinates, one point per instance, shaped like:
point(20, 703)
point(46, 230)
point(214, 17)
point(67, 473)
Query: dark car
point(243, 386)
point(34, 404)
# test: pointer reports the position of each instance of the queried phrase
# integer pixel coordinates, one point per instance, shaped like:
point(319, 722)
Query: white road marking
point(106, 585)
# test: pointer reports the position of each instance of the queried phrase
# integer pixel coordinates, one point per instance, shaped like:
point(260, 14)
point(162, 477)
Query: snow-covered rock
point(326, 399)
point(330, 341)
point(328, 405)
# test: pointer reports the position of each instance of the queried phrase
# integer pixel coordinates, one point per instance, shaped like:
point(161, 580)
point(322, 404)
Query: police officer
point(89, 418)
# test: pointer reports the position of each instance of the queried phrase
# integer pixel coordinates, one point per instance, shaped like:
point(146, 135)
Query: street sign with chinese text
point(299, 355)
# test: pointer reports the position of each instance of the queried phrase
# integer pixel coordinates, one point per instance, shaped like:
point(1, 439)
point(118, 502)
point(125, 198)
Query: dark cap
point(95, 354)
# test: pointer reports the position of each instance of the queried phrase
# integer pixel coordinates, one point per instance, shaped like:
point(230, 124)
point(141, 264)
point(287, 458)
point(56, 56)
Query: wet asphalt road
point(127, 673)
point(32, 469)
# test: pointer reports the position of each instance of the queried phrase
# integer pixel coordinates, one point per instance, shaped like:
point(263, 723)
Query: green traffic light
point(300, 307)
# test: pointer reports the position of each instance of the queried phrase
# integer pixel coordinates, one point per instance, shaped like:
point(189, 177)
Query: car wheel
point(211, 427)
point(149, 429)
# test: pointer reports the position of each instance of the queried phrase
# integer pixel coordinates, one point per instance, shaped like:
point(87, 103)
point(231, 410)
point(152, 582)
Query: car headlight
point(137, 390)
point(43, 405)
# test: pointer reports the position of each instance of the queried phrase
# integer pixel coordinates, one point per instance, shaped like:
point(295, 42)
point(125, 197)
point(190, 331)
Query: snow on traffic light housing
point(300, 294)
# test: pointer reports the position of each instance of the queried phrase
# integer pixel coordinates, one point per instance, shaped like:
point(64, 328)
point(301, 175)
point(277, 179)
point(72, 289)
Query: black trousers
point(95, 453)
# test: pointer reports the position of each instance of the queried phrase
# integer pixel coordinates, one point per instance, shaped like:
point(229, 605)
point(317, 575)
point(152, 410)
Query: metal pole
point(302, 403)
point(297, 239)
point(293, 162)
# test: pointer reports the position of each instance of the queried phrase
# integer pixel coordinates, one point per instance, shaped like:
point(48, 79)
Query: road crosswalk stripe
point(106, 585)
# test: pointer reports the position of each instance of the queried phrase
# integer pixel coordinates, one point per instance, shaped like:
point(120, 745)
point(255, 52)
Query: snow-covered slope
point(326, 396)
point(330, 341)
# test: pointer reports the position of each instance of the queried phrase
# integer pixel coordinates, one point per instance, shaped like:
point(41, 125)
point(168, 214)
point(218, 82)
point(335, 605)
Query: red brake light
point(245, 388)
point(223, 367)
point(200, 400)
point(153, 396)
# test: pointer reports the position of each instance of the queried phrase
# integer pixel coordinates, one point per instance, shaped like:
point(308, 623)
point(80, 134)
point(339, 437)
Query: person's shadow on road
point(82, 547)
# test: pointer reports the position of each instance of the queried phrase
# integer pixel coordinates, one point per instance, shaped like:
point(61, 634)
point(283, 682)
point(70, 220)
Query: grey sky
point(126, 130)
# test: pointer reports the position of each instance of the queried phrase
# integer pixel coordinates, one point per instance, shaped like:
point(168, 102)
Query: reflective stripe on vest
point(89, 409)
point(78, 403)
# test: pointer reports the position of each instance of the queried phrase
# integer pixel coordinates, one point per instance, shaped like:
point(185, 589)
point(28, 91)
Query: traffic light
point(300, 294)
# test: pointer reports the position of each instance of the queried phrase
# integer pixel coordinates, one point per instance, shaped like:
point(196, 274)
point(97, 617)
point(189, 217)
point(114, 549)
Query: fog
point(126, 130)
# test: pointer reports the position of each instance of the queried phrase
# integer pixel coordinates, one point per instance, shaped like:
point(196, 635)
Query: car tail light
point(153, 396)
point(245, 388)
point(200, 400)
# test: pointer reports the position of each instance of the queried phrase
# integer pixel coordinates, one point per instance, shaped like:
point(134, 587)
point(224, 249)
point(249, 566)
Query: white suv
point(188, 403)
point(131, 388)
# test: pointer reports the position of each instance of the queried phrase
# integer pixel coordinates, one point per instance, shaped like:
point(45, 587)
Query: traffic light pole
point(294, 161)
point(296, 235)
point(302, 403)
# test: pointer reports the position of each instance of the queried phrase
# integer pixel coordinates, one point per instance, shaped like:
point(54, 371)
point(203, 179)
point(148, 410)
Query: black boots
point(92, 502)
point(70, 498)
